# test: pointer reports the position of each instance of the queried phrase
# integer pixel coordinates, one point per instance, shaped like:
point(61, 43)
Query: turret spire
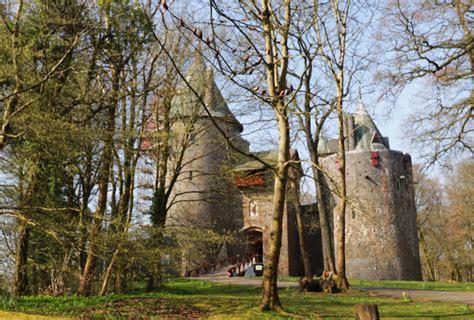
point(201, 79)
point(360, 106)
point(367, 135)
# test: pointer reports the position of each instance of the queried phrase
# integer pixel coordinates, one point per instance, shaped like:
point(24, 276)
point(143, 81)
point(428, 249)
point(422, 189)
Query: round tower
point(204, 195)
point(381, 234)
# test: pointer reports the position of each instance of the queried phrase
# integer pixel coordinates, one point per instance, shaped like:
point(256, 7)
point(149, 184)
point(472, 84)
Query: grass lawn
point(7, 315)
point(188, 299)
point(415, 285)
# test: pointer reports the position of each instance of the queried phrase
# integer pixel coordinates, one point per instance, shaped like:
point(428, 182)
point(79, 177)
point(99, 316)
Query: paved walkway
point(445, 296)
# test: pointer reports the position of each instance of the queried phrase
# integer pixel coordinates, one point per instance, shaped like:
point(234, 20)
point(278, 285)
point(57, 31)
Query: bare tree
point(333, 58)
point(121, 55)
point(294, 178)
point(433, 41)
point(312, 117)
point(445, 224)
point(341, 15)
point(269, 27)
point(429, 206)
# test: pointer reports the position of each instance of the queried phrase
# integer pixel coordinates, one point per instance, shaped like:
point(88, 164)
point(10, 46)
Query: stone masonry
point(381, 234)
point(218, 190)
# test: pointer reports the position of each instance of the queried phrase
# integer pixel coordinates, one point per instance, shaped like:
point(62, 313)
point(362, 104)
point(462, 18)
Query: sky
point(391, 122)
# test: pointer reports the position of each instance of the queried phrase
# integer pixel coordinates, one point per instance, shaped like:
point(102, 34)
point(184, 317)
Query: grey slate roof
point(270, 157)
point(328, 146)
point(365, 134)
point(365, 129)
point(201, 78)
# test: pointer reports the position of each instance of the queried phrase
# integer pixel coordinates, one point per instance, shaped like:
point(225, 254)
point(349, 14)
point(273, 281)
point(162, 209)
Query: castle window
point(398, 185)
point(353, 214)
point(190, 175)
point(253, 209)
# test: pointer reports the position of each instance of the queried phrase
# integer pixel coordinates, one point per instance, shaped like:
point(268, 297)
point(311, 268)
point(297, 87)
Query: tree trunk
point(326, 239)
point(430, 273)
point(20, 286)
point(339, 77)
point(120, 283)
point(270, 298)
point(9, 109)
point(312, 142)
point(308, 268)
point(276, 71)
point(367, 312)
point(105, 282)
point(341, 280)
point(97, 223)
point(96, 227)
point(11, 103)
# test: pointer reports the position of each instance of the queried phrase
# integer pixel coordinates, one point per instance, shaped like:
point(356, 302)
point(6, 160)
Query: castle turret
point(205, 197)
point(366, 134)
point(381, 235)
point(188, 103)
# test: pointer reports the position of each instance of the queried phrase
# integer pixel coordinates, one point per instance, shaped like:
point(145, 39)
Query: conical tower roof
point(201, 79)
point(367, 135)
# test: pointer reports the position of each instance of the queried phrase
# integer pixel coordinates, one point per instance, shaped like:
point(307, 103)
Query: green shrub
point(7, 300)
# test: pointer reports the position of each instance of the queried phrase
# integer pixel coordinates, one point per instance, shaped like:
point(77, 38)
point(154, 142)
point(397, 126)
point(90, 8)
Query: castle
point(219, 189)
point(381, 233)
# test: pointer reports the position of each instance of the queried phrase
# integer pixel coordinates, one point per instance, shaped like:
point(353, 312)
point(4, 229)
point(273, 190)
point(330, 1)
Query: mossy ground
point(192, 299)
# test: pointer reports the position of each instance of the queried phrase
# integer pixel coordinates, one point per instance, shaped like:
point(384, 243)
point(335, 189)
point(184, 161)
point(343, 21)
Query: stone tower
point(205, 197)
point(381, 235)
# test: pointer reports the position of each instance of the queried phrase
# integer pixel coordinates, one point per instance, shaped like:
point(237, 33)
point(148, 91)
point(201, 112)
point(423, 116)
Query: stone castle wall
point(381, 235)
point(205, 196)
point(290, 256)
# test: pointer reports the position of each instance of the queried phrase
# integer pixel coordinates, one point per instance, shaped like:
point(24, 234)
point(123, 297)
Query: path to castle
point(445, 296)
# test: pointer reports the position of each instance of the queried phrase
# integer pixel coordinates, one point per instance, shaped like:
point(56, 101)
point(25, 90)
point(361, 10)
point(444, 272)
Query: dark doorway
point(254, 251)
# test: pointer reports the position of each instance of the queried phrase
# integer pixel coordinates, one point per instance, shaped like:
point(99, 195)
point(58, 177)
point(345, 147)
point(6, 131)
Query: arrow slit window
point(253, 208)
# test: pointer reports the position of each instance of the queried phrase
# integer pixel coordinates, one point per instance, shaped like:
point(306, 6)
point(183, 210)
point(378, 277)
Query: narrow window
point(398, 185)
point(253, 208)
point(353, 214)
point(190, 175)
